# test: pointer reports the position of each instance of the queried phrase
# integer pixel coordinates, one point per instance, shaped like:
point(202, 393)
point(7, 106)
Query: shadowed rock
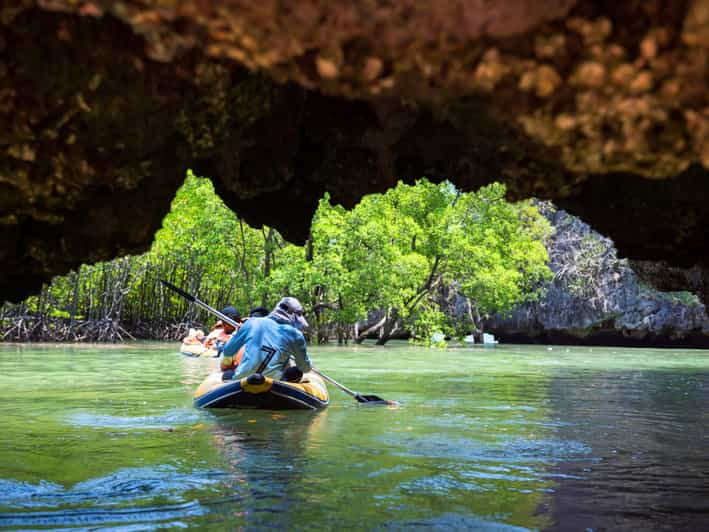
point(104, 105)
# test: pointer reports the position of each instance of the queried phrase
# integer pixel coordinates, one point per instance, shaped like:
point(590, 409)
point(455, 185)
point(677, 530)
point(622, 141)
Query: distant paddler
point(222, 330)
point(196, 343)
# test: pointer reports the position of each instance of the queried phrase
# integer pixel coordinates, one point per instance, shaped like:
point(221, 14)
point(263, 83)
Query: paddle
point(372, 400)
point(201, 303)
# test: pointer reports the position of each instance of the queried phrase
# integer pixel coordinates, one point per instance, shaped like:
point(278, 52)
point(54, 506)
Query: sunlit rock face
point(602, 106)
point(594, 297)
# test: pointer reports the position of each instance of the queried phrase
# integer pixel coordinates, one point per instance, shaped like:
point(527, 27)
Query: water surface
point(508, 438)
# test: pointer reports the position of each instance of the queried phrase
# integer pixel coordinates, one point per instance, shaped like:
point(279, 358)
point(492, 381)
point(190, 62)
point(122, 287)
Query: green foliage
point(591, 257)
point(497, 251)
point(430, 327)
point(205, 238)
point(392, 253)
point(687, 299)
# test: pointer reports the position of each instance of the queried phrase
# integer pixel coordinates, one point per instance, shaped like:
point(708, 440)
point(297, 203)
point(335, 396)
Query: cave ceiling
point(600, 106)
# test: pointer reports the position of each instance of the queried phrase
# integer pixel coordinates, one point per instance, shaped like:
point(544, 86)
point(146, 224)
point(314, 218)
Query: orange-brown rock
point(104, 104)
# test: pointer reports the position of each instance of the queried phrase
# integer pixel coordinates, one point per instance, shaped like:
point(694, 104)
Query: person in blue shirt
point(270, 343)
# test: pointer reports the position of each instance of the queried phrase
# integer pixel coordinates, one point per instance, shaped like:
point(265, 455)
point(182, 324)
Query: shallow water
point(508, 438)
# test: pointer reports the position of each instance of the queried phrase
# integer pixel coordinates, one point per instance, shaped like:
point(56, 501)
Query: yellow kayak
point(197, 350)
point(256, 391)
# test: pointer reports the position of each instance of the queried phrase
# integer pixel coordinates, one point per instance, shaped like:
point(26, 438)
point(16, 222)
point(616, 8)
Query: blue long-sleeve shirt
point(261, 336)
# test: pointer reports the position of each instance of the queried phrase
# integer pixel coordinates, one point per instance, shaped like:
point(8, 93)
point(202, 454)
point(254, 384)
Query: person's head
point(196, 333)
point(290, 311)
point(231, 312)
point(258, 312)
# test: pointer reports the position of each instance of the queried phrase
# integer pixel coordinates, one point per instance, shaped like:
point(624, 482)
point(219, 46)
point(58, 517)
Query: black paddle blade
point(180, 291)
point(374, 400)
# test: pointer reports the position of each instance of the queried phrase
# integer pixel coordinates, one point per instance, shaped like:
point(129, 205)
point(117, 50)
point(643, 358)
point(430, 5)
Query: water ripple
point(173, 417)
point(450, 521)
point(124, 486)
point(508, 450)
point(101, 516)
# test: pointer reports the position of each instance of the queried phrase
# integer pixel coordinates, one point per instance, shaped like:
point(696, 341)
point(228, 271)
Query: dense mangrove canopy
point(390, 257)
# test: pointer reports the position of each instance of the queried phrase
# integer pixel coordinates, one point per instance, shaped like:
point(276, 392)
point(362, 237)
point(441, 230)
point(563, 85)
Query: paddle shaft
point(200, 303)
point(334, 382)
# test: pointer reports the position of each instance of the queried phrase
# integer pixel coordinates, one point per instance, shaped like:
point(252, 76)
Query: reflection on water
point(194, 370)
point(650, 439)
point(509, 438)
point(264, 459)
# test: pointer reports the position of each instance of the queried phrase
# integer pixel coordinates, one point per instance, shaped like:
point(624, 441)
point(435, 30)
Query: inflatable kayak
point(196, 350)
point(256, 391)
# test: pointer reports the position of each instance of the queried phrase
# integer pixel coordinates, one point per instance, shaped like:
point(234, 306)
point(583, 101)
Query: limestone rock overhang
point(602, 107)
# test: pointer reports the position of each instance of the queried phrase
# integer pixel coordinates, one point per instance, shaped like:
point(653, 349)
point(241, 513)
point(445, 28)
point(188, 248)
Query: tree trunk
point(268, 255)
point(361, 336)
point(389, 327)
point(75, 297)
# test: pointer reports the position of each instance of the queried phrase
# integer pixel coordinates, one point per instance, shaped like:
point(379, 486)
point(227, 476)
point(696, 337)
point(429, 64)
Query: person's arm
point(300, 354)
point(236, 342)
point(231, 363)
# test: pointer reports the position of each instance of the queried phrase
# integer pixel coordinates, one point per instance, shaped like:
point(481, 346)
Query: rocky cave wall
point(601, 106)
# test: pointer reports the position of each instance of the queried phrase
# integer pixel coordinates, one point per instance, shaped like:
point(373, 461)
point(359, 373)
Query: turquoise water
point(508, 438)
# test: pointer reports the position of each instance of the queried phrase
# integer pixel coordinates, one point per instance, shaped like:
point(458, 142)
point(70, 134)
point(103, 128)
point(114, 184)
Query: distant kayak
point(257, 391)
point(197, 350)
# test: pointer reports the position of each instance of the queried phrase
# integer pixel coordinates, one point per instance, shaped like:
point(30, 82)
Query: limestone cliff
point(595, 297)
